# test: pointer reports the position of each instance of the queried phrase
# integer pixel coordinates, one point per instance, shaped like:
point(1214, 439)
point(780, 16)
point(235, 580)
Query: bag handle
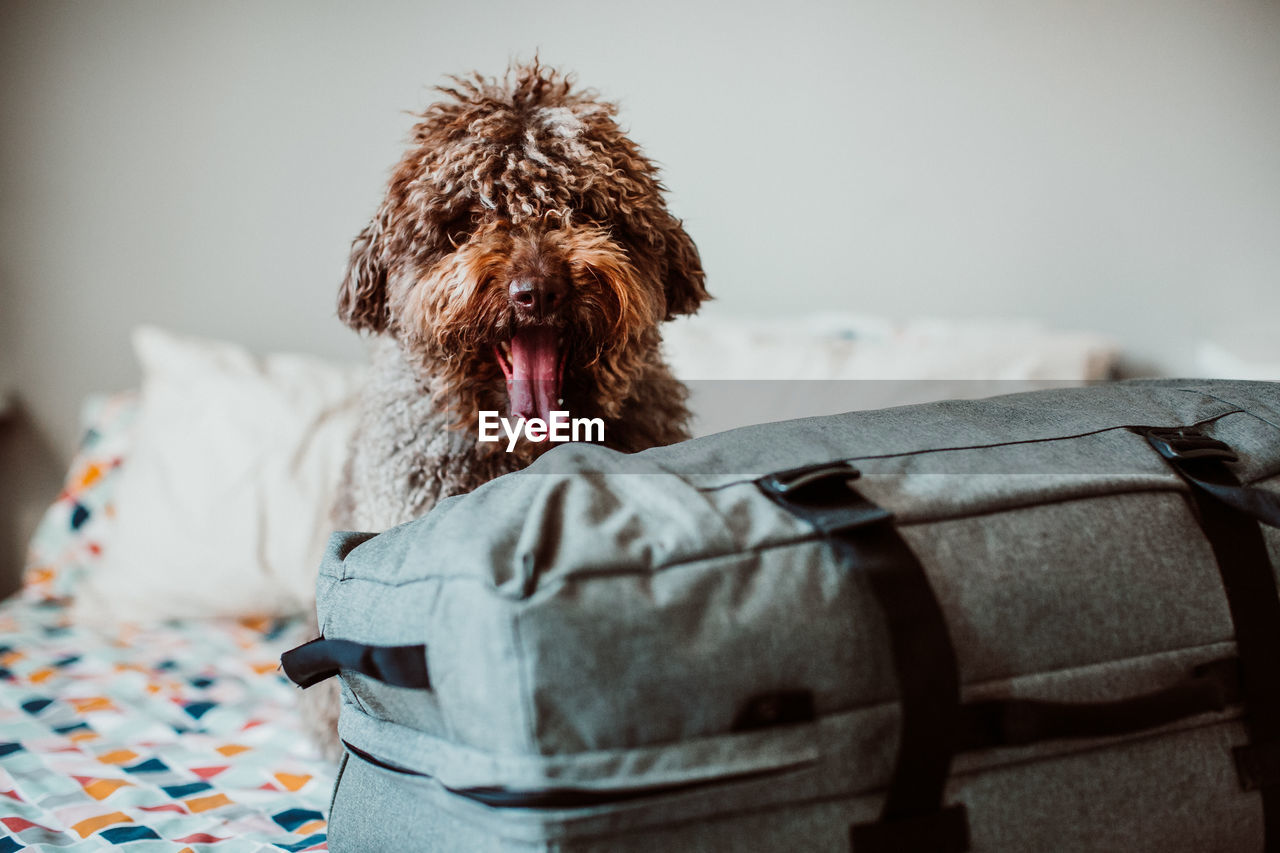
point(1200, 460)
point(924, 662)
point(398, 666)
point(992, 723)
point(1229, 512)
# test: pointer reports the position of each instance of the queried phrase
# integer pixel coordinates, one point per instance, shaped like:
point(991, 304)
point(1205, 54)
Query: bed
point(174, 736)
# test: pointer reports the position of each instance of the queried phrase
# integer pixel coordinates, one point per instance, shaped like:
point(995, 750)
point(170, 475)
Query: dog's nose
point(536, 298)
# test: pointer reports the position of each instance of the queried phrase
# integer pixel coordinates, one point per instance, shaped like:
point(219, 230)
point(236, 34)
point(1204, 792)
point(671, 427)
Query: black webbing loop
point(924, 661)
point(1228, 513)
point(398, 666)
point(1017, 722)
point(1199, 459)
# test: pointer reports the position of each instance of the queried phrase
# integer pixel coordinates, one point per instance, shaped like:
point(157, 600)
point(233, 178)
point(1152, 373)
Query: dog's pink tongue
point(534, 384)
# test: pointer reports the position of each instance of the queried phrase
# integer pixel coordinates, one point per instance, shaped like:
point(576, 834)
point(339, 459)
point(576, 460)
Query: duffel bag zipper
point(572, 798)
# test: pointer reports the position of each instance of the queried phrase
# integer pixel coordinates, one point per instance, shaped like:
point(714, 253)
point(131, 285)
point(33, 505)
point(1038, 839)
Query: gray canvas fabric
point(597, 622)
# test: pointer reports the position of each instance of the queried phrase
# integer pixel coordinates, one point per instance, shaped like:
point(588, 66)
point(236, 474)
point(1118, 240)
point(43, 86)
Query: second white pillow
point(223, 505)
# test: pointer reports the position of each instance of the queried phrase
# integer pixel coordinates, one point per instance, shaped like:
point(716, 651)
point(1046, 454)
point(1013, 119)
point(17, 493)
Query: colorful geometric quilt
point(182, 737)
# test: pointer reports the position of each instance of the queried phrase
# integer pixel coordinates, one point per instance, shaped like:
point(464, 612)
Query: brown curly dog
point(521, 262)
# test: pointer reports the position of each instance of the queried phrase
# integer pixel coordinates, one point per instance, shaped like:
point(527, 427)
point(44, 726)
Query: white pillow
point(1214, 360)
point(223, 504)
point(744, 371)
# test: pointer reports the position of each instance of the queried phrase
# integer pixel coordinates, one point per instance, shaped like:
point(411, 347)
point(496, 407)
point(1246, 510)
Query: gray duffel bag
point(1038, 622)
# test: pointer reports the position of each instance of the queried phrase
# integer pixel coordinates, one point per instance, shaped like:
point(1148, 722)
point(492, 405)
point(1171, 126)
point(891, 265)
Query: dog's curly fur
point(523, 178)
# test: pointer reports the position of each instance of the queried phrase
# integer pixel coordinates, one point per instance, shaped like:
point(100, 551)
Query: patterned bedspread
point(172, 738)
point(176, 737)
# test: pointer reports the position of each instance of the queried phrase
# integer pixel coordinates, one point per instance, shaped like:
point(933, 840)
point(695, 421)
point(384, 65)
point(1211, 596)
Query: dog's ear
point(685, 283)
point(362, 299)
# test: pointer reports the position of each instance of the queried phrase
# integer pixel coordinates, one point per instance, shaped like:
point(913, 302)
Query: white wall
point(1105, 165)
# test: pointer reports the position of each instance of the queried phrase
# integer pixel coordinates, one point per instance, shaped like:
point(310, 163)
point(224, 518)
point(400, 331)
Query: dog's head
point(524, 255)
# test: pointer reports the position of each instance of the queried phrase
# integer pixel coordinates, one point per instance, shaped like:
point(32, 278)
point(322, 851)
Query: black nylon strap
point(944, 831)
point(1017, 722)
point(1199, 459)
point(1228, 513)
point(924, 661)
point(1258, 765)
point(398, 666)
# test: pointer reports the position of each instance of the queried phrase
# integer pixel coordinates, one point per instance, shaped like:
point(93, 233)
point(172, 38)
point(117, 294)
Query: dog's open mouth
point(533, 364)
